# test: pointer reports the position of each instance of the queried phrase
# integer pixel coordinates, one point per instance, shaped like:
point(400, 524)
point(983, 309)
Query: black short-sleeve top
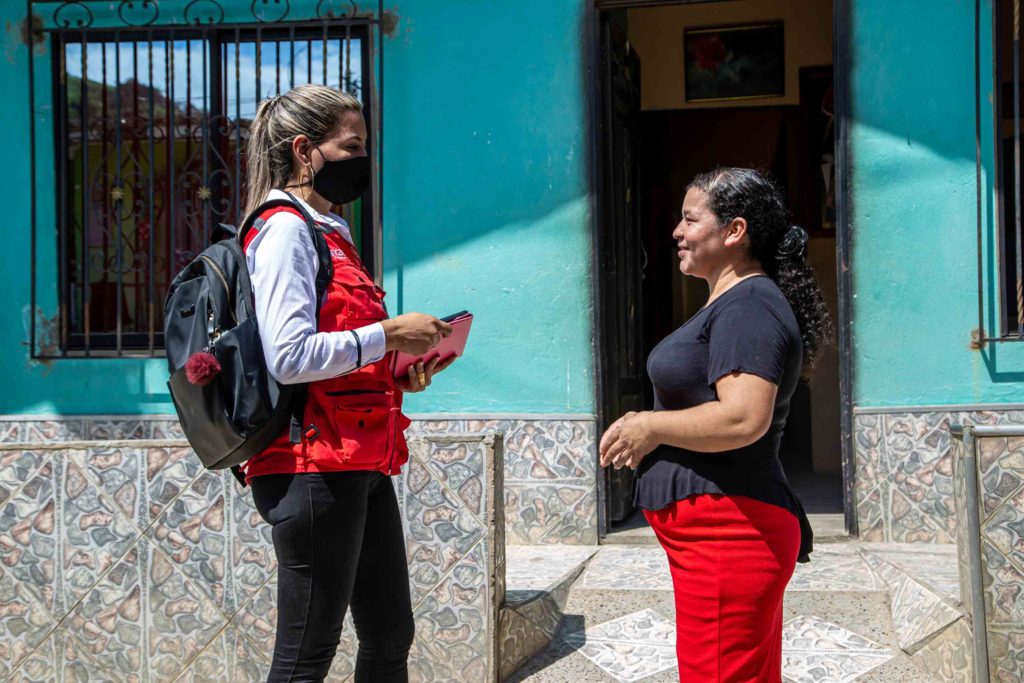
point(749, 329)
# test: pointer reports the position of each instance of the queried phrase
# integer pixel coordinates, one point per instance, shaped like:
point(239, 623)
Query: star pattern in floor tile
point(628, 568)
point(834, 568)
point(815, 651)
point(532, 570)
point(630, 648)
point(642, 644)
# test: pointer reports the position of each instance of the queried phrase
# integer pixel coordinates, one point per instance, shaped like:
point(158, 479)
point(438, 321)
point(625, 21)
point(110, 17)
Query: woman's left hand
point(422, 374)
point(628, 441)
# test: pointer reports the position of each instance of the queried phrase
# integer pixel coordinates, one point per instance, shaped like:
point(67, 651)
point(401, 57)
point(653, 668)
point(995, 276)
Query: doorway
point(656, 129)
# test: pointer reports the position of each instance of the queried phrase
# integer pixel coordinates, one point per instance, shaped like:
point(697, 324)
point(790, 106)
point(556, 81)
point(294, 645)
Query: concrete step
point(618, 622)
point(839, 624)
point(537, 584)
point(632, 531)
point(827, 528)
point(929, 617)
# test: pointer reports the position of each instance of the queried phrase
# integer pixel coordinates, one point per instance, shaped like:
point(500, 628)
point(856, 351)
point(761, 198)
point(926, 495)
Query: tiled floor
point(538, 581)
point(836, 567)
point(628, 568)
point(640, 645)
point(933, 565)
point(531, 569)
point(630, 648)
point(619, 621)
point(918, 610)
point(815, 650)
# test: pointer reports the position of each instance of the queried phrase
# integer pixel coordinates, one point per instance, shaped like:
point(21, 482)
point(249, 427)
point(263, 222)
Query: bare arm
point(741, 415)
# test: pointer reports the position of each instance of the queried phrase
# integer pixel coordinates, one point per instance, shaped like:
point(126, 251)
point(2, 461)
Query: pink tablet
point(452, 345)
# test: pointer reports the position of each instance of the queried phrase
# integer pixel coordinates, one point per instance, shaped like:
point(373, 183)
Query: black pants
point(339, 542)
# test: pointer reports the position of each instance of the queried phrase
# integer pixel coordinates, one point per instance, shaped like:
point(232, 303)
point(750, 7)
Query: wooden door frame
point(841, 64)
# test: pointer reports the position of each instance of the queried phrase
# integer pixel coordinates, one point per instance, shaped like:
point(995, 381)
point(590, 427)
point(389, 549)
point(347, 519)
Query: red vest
point(355, 421)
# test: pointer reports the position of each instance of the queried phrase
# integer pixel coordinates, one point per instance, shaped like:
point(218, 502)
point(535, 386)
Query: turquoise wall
point(914, 256)
point(486, 209)
point(486, 191)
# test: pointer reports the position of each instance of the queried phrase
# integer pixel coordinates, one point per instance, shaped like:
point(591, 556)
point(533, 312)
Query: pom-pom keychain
point(201, 368)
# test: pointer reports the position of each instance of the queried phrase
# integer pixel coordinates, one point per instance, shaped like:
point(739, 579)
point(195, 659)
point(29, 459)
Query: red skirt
point(731, 558)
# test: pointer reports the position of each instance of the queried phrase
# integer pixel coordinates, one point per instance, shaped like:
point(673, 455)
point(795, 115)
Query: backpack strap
point(324, 275)
point(238, 474)
point(223, 231)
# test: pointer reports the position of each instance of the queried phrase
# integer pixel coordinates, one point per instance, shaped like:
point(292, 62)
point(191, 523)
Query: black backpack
point(229, 406)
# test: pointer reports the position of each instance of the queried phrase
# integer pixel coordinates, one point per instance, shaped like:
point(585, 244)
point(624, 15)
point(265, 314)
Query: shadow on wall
point(528, 281)
point(496, 137)
point(485, 209)
point(914, 210)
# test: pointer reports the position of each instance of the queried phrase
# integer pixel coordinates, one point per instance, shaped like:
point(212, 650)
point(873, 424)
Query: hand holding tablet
point(452, 345)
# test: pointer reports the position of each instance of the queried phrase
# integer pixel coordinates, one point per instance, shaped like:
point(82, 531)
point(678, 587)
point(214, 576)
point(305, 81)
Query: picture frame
point(725, 63)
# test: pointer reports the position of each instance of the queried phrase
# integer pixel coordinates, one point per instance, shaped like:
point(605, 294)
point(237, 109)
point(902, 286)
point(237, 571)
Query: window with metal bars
point(1009, 107)
point(150, 132)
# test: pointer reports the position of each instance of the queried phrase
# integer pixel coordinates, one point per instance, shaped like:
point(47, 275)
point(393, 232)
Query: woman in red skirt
point(708, 474)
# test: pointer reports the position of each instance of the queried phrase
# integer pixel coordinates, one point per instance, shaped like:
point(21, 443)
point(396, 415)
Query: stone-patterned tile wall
point(135, 563)
point(948, 656)
point(550, 475)
point(904, 473)
point(1000, 466)
point(924, 591)
point(132, 563)
point(451, 500)
point(539, 579)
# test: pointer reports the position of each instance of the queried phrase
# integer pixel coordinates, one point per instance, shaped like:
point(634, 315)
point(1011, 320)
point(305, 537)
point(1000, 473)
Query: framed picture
point(735, 62)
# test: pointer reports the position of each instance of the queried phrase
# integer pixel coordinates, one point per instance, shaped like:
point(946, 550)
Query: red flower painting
point(735, 62)
point(709, 52)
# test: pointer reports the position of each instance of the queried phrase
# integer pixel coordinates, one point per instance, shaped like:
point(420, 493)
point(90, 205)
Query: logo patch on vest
point(338, 253)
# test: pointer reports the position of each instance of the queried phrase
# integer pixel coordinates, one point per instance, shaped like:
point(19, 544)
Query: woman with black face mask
point(327, 493)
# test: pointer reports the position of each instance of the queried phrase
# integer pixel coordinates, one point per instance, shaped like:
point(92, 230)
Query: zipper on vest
point(392, 436)
point(389, 445)
point(223, 281)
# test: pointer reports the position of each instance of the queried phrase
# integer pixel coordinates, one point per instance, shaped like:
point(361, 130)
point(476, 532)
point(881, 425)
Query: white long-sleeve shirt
point(282, 266)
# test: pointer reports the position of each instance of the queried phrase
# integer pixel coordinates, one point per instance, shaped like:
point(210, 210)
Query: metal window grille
point(1007, 73)
point(149, 129)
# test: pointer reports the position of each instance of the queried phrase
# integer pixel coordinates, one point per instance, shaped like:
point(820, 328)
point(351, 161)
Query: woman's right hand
point(414, 333)
point(611, 434)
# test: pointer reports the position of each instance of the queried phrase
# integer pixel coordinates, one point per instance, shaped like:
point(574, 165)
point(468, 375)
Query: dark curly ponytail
point(781, 249)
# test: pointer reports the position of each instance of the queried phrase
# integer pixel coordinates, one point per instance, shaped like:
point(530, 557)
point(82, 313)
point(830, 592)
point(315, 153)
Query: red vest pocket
point(365, 427)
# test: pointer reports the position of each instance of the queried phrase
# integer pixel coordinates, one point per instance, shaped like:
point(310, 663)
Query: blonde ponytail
point(311, 110)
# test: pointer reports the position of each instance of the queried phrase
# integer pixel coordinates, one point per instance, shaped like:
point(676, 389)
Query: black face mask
point(343, 180)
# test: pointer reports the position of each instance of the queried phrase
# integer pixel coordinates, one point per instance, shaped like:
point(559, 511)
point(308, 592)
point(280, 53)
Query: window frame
point(56, 338)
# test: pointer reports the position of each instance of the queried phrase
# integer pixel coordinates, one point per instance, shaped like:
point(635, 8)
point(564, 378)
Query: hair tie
point(793, 244)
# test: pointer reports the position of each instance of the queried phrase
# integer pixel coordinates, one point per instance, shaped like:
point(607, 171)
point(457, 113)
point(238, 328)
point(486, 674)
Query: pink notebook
point(452, 345)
